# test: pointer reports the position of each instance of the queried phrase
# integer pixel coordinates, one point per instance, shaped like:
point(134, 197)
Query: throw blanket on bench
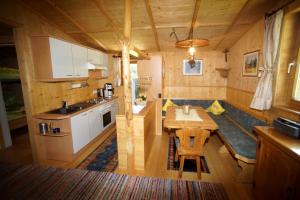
point(33, 182)
point(241, 143)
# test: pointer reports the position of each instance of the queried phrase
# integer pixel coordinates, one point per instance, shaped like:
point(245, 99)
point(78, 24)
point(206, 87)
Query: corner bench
point(235, 130)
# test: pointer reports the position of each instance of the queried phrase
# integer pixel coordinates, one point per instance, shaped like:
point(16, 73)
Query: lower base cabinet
point(80, 131)
point(277, 173)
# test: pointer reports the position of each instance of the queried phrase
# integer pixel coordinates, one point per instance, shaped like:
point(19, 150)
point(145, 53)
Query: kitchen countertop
point(49, 116)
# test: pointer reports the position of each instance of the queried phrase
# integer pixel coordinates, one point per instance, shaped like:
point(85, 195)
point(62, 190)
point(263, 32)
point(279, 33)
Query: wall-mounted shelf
point(60, 134)
point(223, 71)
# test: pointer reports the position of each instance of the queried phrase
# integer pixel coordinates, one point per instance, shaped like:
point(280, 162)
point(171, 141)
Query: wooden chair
point(189, 145)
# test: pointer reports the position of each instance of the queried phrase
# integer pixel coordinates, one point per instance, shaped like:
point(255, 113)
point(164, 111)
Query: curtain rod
point(275, 11)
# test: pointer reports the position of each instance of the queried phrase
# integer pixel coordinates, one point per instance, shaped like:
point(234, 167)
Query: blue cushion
point(242, 143)
point(244, 119)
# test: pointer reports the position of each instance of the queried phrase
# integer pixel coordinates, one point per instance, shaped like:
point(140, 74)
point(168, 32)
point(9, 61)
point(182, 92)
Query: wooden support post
point(127, 84)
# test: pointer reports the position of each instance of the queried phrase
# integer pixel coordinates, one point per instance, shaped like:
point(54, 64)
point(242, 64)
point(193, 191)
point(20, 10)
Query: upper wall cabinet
point(58, 60)
point(80, 61)
point(97, 59)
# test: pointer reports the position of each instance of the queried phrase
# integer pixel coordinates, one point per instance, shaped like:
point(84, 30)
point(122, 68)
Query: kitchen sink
point(76, 107)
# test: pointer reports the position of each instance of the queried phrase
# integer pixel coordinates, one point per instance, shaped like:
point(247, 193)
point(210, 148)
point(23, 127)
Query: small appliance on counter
point(108, 90)
point(100, 92)
point(287, 127)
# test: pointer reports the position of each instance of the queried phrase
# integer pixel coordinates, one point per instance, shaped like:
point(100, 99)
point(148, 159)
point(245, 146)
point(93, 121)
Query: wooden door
point(61, 57)
point(79, 54)
point(275, 173)
point(150, 72)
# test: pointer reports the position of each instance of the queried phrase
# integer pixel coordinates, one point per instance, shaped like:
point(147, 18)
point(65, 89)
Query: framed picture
point(192, 69)
point(251, 62)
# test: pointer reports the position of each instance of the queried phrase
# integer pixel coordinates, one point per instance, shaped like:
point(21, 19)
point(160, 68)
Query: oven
point(108, 115)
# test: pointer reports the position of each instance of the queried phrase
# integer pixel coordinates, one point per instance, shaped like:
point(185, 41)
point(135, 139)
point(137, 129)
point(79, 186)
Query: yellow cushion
point(167, 104)
point(215, 108)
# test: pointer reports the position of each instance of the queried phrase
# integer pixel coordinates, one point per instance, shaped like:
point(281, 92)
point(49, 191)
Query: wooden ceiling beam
point(149, 11)
point(78, 25)
point(194, 19)
point(233, 23)
point(103, 30)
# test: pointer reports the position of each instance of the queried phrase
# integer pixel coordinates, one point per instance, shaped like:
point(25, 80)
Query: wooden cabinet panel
point(61, 58)
point(80, 62)
point(80, 131)
point(276, 173)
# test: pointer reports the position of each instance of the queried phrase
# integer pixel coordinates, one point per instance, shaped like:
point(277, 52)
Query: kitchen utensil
point(43, 128)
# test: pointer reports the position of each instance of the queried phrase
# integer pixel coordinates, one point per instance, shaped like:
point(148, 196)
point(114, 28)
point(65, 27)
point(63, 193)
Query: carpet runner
point(104, 158)
point(33, 182)
point(189, 165)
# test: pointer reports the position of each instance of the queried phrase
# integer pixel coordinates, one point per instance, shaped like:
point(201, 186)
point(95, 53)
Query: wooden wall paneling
point(210, 85)
point(122, 142)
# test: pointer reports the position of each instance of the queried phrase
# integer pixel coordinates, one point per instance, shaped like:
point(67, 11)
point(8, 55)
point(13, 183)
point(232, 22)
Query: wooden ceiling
point(99, 23)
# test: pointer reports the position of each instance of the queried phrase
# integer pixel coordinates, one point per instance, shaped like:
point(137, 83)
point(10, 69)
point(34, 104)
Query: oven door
point(106, 117)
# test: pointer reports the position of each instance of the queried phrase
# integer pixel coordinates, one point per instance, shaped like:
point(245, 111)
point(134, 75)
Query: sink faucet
point(65, 104)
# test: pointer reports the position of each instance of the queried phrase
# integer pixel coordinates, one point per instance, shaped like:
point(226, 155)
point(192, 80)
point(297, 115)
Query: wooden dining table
point(207, 122)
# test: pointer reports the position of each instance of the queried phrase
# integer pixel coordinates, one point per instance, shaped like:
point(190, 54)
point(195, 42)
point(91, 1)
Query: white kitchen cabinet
point(104, 60)
point(94, 57)
point(61, 58)
point(80, 131)
point(80, 61)
point(97, 58)
point(95, 122)
point(58, 60)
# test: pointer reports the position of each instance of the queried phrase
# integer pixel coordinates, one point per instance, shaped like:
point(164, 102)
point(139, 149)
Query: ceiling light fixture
point(190, 43)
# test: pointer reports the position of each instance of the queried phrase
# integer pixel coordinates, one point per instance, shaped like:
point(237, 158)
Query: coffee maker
point(108, 90)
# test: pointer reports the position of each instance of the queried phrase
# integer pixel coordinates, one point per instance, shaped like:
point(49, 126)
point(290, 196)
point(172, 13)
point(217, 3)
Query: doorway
point(15, 143)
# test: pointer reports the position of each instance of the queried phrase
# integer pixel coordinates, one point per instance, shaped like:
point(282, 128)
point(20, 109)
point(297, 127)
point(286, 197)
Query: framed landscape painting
point(192, 69)
point(250, 67)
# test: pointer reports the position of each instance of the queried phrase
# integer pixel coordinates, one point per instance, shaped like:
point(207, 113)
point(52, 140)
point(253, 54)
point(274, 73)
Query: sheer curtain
point(262, 99)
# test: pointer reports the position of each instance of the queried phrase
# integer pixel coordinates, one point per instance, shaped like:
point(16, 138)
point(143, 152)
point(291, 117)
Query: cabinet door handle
point(85, 114)
point(69, 75)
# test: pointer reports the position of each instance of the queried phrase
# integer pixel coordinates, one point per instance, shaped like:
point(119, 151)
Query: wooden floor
point(20, 151)
point(223, 168)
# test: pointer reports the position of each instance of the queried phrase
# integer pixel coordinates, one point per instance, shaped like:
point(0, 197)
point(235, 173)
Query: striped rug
point(33, 182)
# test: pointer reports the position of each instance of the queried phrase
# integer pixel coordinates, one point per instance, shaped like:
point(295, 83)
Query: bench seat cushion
point(244, 119)
point(241, 143)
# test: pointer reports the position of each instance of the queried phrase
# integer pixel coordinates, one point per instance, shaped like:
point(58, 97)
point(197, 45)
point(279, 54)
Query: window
point(296, 89)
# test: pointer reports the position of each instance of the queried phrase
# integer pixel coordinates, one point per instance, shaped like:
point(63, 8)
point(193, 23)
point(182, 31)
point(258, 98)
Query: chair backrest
point(191, 140)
